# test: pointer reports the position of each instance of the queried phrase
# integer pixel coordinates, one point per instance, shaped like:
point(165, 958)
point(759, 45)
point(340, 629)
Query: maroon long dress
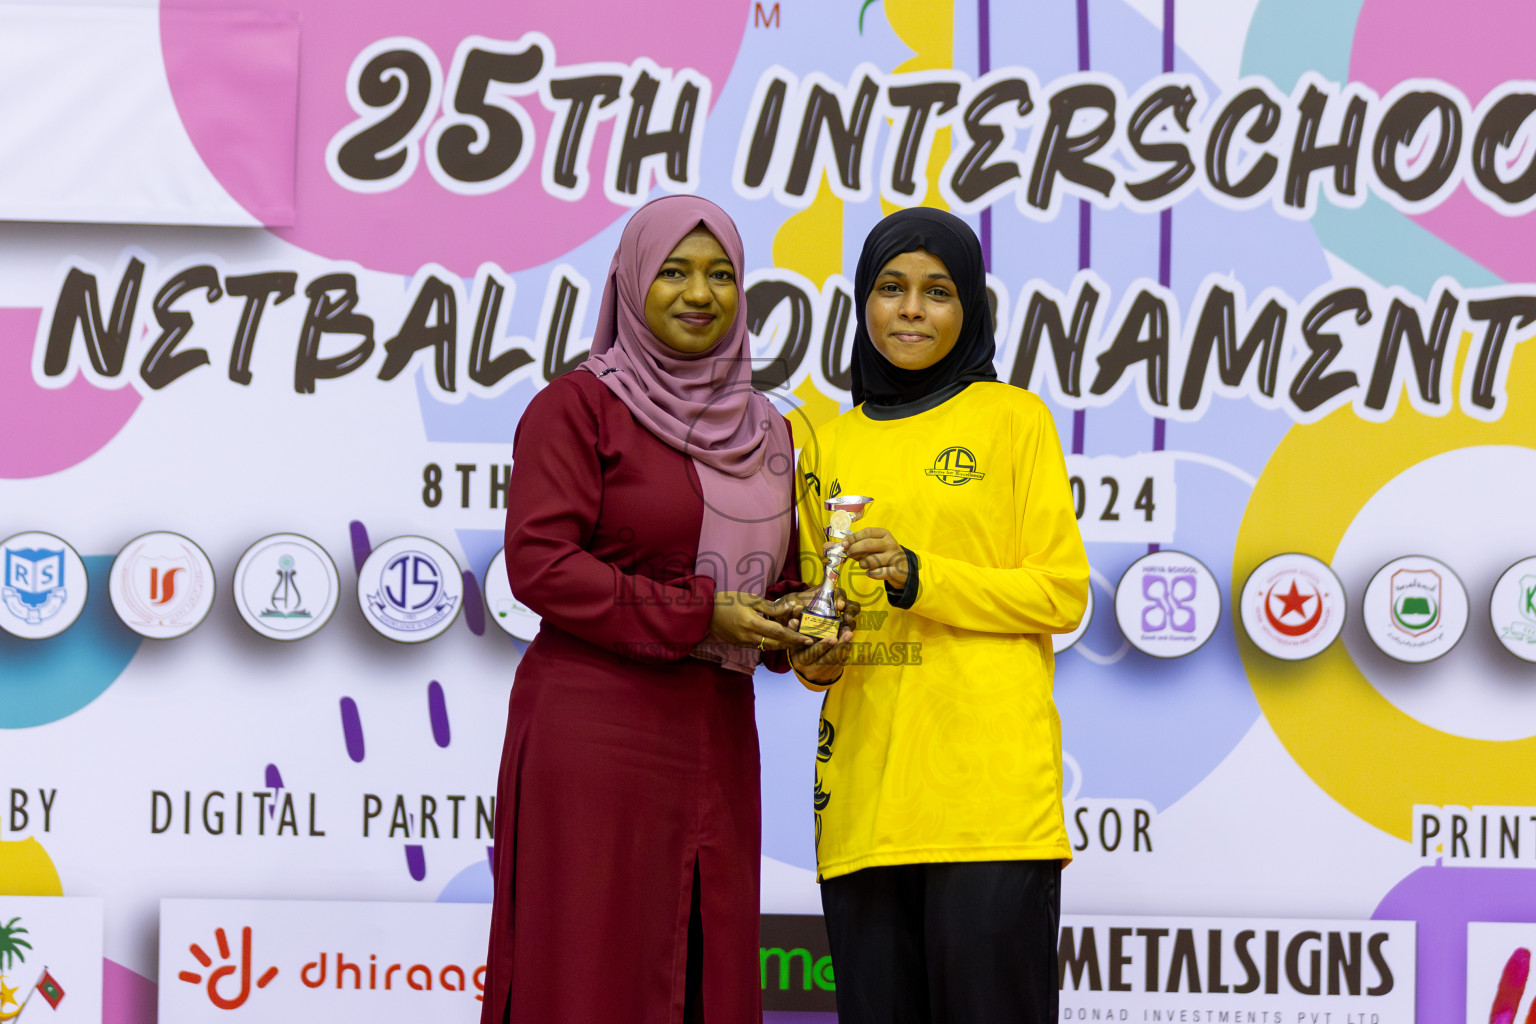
point(626, 762)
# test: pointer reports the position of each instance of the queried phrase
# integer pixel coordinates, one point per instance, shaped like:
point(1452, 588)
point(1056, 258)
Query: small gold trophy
point(820, 618)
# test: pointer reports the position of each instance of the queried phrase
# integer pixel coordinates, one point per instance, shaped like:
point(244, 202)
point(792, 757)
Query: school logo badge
point(1415, 609)
point(43, 586)
point(1513, 609)
point(16, 987)
point(410, 589)
point(1415, 600)
point(162, 585)
point(11, 944)
point(1293, 607)
point(286, 587)
point(1167, 604)
point(514, 617)
point(955, 466)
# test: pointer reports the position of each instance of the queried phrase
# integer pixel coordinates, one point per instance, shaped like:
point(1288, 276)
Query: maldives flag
point(50, 989)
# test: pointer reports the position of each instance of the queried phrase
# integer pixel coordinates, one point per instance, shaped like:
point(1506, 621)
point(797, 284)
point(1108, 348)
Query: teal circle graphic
point(43, 681)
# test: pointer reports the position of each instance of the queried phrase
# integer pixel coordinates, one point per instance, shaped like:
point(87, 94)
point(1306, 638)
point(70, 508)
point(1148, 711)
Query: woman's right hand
point(743, 620)
point(787, 609)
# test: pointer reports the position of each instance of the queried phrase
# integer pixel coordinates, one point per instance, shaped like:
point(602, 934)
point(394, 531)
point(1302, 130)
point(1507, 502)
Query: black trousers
point(966, 943)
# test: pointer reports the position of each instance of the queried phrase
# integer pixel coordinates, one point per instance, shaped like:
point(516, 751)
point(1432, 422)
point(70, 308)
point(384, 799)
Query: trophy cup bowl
point(820, 618)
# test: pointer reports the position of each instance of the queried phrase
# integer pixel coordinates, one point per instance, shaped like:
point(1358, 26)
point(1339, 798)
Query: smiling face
point(692, 302)
point(913, 312)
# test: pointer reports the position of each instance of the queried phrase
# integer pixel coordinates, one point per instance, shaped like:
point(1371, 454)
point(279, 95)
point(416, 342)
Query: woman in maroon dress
point(650, 510)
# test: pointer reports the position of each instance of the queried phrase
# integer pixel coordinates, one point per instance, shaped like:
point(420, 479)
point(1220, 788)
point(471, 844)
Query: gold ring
point(760, 641)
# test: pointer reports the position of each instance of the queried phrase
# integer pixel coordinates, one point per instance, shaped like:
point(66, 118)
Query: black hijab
point(875, 379)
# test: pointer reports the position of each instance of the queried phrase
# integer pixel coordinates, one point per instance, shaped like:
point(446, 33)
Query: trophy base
point(819, 626)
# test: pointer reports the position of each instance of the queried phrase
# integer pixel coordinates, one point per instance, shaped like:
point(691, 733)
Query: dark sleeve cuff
point(784, 586)
point(812, 682)
point(699, 606)
point(904, 597)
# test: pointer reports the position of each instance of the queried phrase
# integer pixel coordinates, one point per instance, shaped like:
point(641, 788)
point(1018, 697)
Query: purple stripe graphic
point(984, 42)
point(360, 546)
point(352, 729)
point(474, 605)
point(1167, 36)
point(1084, 218)
point(1165, 221)
point(416, 861)
point(437, 711)
point(983, 65)
point(1165, 248)
point(1084, 234)
point(275, 784)
point(1164, 229)
point(1082, 35)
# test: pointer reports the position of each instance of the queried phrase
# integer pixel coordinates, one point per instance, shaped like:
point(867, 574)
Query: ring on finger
point(760, 642)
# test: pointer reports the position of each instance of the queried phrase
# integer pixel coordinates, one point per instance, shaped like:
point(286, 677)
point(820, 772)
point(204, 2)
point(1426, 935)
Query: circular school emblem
point(514, 617)
point(1415, 609)
point(1167, 604)
point(286, 587)
point(410, 589)
point(1292, 607)
point(162, 585)
point(43, 586)
point(1512, 608)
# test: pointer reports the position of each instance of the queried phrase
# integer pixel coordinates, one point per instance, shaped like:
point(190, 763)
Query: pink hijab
point(703, 405)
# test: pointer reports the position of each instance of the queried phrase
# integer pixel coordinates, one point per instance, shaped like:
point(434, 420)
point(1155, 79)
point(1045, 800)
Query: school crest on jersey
point(956, 466)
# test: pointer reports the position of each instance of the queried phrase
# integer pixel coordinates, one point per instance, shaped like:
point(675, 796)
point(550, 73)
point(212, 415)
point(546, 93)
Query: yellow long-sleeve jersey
point(941, 741)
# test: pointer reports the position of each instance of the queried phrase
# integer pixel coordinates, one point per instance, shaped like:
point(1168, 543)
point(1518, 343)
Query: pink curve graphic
point(1396, 40)
point(62, 427)
point(400, 229)
point(127, 997)
point(243, 65)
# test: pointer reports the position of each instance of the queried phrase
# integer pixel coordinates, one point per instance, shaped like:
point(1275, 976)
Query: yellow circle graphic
point(27, 869)
point(1365, 753)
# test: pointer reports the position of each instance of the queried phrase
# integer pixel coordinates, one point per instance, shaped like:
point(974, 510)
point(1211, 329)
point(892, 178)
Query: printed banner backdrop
point(1268, 262)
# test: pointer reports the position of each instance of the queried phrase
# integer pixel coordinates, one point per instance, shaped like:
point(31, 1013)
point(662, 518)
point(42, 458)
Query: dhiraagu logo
point(228, 984)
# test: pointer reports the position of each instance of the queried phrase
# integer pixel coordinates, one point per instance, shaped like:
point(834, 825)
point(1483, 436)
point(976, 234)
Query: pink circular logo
point(1408, 39)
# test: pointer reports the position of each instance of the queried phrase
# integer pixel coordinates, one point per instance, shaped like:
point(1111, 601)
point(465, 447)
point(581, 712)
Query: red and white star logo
point(1287, 612)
